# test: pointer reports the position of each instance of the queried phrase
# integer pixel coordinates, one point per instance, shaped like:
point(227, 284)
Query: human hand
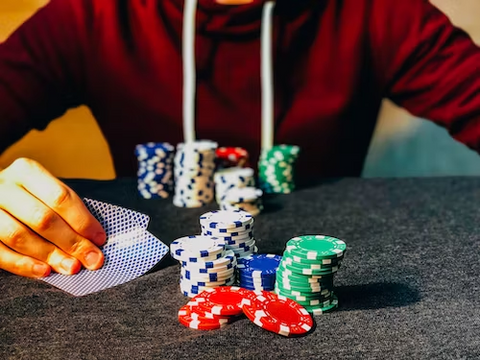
point(44, 225)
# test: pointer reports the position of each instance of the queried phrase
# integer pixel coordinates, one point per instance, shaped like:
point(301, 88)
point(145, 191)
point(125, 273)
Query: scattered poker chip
point(197, 246)
point(195, 321)
point(224, 300)
point(226, 219)
point(277, 313)
point(196, 309)
point(155, 169)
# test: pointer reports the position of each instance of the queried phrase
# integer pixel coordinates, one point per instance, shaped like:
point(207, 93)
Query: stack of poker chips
point(258, 272)
point(231, 178)
point(205, 264)
point(194, 168)
point(248, 199)
point(276, 169)
point(155, 175)
point(232, 157)
point(234, 227)
point(306, 271)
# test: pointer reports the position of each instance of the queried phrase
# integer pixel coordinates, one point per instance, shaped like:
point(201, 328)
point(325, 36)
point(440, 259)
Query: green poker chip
point(316, 247)
point(299, 295)
point(302, 287)
point(302, 260)
point(307, 271)
point(319, 310)
point(276, 169)
point(313, 266)
point(303, 278)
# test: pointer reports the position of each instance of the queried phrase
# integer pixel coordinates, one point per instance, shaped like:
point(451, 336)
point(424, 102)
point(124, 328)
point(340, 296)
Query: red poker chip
point(277, 313)
point(194, 321)
point(199, 311)
point(232, 156)
point(223, 300)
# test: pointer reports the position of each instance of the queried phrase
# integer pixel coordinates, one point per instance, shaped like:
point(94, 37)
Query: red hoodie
point(334, 62)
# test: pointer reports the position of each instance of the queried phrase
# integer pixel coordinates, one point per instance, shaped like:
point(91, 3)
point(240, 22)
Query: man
point(334, 62)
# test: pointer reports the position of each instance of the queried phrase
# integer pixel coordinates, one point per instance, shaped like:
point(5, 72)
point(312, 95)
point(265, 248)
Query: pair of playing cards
point(130, 251)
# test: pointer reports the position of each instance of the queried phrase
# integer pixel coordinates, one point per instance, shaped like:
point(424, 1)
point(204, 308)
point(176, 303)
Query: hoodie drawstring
point(189, 73)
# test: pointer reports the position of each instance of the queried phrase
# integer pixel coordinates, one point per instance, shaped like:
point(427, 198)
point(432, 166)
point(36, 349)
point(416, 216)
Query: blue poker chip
point(265, 264)
point(258, 288)
point(251, 284)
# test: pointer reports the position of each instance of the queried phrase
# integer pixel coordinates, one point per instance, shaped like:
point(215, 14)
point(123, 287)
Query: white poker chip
point(240, 195)
point(197, 246)
point(222, 219)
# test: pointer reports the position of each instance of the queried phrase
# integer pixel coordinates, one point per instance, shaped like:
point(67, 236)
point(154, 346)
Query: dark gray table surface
point(408, 287)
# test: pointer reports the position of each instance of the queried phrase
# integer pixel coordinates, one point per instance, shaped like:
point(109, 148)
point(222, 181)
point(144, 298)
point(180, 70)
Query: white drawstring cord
point(267, 76)
point(189, 70)
point(189, 73)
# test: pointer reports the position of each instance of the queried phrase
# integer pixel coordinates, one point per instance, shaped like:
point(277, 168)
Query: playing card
point(130, 251)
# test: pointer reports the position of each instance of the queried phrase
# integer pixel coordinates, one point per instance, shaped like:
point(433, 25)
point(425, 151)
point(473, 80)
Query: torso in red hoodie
point(334, 62)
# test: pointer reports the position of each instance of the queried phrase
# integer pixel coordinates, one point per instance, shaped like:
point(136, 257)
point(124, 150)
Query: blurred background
point(74, 147)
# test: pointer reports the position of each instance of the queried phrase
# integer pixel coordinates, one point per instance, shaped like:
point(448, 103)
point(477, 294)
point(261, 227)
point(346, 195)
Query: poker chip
point(232, 178)
point(316, 247)
point(228, 157)
point(190, 319)
point(305, 273)
point(235, 190)
point(248, 199)
point(196, 246)
point(226, 219)
point(234, 227)
point(194, 167)
point(277, 313)
point(275, 169)
point(205, 264)
point(224, 300)
point(258, 272)
point(222, 263)
point(155, 170)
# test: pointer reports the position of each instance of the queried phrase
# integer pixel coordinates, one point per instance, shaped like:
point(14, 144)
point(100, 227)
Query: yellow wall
point(73, 146)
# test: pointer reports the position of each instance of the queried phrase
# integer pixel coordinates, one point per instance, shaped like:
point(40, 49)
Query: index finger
point(59, 197)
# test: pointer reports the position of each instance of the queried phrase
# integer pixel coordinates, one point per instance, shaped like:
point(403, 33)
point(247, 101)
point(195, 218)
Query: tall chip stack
point(276, 169)
point(306, 271)
point(155, 174)
point(234, 227)
point(194, 168)
point(205, 264)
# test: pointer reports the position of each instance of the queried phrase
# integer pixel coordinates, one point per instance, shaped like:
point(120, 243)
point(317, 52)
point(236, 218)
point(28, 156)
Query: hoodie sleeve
point(40, 71)
point(428, 66)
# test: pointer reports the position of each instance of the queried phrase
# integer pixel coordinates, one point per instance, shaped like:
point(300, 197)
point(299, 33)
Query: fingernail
point(67, 264)
point(100, 238)
point(41, 270)
point(92, 258)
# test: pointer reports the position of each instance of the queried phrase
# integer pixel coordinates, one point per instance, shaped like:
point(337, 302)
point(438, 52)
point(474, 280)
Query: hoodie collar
point(214, 18)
